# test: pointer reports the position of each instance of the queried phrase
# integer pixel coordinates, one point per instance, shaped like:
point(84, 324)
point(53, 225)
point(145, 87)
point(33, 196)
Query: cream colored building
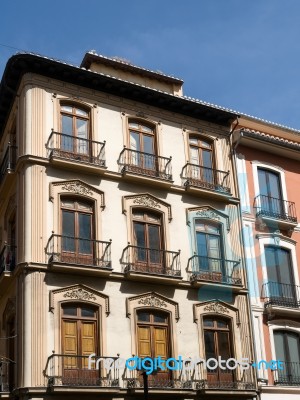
point(120, 231)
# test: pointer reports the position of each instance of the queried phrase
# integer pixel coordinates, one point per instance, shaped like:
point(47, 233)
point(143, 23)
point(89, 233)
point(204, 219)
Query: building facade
point(267, 159)
point(121, 235)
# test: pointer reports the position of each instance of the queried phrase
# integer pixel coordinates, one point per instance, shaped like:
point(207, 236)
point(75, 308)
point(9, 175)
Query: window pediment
point(216, 308)
point(151, 300)
point(146, 200)
point(207, 213)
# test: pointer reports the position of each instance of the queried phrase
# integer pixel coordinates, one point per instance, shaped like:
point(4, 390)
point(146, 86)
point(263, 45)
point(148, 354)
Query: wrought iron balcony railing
point(145, 164)
point(289, 375)
point(76, 149)
point(281, 294)
point(73, 370)
point(214, 270)
point(206, 178)
point(223, 378)
point(79, 251)
point(151, 261)
point(8, 163)
point(271, 207)
point(7, 258)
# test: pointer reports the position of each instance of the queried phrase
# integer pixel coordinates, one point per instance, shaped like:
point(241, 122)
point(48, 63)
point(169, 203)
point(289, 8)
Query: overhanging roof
point(22, 63)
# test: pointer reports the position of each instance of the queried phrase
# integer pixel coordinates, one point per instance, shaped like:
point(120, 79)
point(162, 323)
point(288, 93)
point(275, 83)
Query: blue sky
point(240, 54)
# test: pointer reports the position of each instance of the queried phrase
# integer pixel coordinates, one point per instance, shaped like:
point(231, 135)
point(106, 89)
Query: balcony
point(289, 375)
point(210, 181)
point(73, 252)
point(276, 212)
point(281, 298)
point(214, 270)
point(145, 263)
point(137, 165)
point(72, 371)
point(66, 149)
point(8, 163)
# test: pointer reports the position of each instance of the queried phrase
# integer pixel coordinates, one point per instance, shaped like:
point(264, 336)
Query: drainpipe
point(233, 154)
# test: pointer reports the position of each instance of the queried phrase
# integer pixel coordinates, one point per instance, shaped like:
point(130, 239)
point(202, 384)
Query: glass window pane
point(135, 158)
point(148, 145)
point(200, 226)
point(223, 345)
point(138, 214)
point(144, 316)
point(212, 229)
point(159, 318)
point(154, 244)
point(194, 156)
point(66, 108)
point(201, 244)
point(205, 144)
point(207, 162)
point(209, 345)
point(293, 347)
point(279, 346)
point(85, 206)
point(193, 140)
point(82, 144)
point(262, 178)
point(222, 324)
point(70, 310)
point(270, 253)
point(146, 129)
point(133, 125)
point(87, 312)
point(153, 217)
point(68, 231)
point(285, 268)
point(81, 112)
point(84, 233)
point(274, 185)
point(68, 203)
point(67, 125)
point(208, 322)
point(139, 234)
point(214, 246)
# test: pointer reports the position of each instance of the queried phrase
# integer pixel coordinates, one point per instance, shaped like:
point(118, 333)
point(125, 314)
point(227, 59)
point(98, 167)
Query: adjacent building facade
point(267, 159)
point(121, 235)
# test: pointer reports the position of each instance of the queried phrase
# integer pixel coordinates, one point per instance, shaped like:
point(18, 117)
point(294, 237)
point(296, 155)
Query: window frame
point(201, 138)
point(140, 132)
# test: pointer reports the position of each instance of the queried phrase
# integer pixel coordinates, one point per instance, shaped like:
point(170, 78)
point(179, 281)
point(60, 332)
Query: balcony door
point(143, 146)
point(201, 158)
point(287, 348)
point(148, 241)
point(209, 250)
point(271, 201)
point(217, 341)
point(153, 341)
point(281, 288)
point(79, 340)
point(75, 131)
point(77, 231)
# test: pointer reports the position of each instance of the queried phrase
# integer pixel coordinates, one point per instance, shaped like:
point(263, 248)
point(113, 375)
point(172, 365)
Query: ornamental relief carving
point(79, 294)
point(152, 301)
point(77, 188)
point(216, 308)
point(147, 202)
point(208, 214)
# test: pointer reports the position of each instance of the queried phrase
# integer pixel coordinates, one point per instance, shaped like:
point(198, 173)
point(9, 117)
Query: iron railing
point(289, 375)
point(223, 379)
point(76, 149)
point(74, 250)
point(206, 178)
point(267, 206)
point(8, 163)
point(5, 368)
point(281, 294)
point(151, 261)
point(145, 164)
point(7, 258)
point(73, 370)
point(214, 270)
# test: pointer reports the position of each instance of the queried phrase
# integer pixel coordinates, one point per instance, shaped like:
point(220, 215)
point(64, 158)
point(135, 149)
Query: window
point(148, 239)
point(143, 146)
point(153, 337)
point(209, 247)
point(270, 192)
point(77, 231)
point(280, 276)
point(79, 339)
point(74, 129)
point(287, 348)
point(217, 342)
point(201, 157)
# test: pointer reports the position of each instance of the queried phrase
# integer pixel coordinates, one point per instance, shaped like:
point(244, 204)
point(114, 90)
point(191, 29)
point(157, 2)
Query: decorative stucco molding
point(146, 200)
point(76, 187)
point(207, 212)
point(216, 307)
point(151, 300)
point(78, 293)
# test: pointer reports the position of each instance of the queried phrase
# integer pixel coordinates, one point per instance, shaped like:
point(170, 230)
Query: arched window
point(148, 239)
point(201, 157)
point(287, 349)
point(153, 337)
point(74, 129)
point(143, 147)
point(218, 342)
point(80, 338)
point(77, 230)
